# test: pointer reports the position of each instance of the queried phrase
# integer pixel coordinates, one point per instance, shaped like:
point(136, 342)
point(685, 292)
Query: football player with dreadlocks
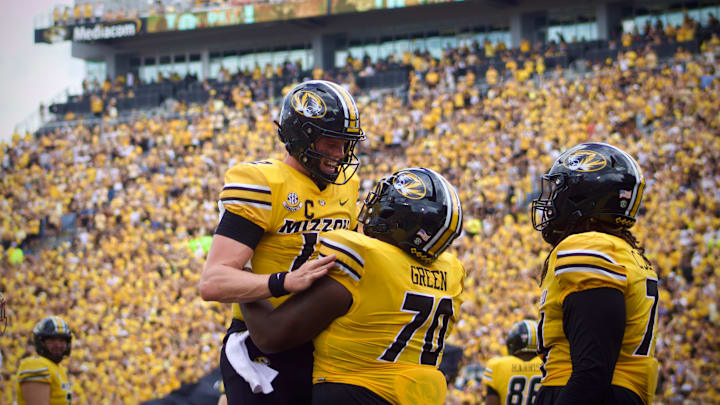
point(272, 211)
point(599, 299)
point(381, 314)
point(515, 379)
point(41, 379)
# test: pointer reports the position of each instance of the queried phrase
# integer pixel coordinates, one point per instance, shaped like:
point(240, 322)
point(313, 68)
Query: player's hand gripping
point(310, 271)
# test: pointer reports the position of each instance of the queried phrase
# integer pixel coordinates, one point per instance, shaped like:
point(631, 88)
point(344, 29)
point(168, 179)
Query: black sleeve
point(594, 324)
point(491, 391)
point(239, 228)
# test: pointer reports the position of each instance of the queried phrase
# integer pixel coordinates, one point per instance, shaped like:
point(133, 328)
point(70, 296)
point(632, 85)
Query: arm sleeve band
point(239, 229)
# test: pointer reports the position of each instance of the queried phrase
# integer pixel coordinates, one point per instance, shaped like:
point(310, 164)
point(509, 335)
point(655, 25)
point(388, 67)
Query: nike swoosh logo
point(343, 202)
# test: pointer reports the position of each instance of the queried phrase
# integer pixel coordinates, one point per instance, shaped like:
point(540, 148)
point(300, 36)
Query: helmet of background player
point(590, 180)
point(522, 338)
point(52, 327)
point(414, 209)
point(320, 108)
point(3, 315)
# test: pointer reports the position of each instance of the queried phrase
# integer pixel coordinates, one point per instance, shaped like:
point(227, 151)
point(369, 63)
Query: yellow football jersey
point(592, 260)
point(392, 337)
point(291, 209)
point(43, 370)
point(516, 381)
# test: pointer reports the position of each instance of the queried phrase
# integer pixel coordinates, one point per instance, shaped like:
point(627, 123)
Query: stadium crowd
point(104, 214)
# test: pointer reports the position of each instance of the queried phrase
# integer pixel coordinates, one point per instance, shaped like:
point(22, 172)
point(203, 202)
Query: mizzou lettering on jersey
point(392, 337)
point(516, 381)
point(313, 225)
point(42, 370)
point(594, 260)
point(291, 210)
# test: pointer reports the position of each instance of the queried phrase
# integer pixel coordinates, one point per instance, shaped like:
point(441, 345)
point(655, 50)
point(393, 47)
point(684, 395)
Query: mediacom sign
point(90, 32)
point(100, 32)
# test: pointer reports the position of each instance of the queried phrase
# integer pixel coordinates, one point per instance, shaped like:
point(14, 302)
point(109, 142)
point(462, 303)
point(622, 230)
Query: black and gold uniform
point(287, 208)
point(599, 300)
point(594, 260)
point(391, 339)
point(290, 210)
point(43, 370)
point(278, 211)
point(515, 380)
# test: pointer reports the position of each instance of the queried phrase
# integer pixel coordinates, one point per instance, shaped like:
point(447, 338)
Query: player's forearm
point(273, 331)
point(288, 325)
point(229, 285)
point(260, 323)
point(277, 329)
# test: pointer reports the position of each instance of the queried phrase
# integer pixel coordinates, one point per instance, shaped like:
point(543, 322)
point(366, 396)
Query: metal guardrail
point(123, 118)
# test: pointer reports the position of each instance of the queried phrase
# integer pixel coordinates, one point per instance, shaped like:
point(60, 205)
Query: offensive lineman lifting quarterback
point(599, 299)
point(272, 211)
point(391, 296)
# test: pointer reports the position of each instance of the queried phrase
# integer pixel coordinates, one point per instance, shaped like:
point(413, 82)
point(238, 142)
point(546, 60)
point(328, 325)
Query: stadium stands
point(387, 73)
point(105, 212)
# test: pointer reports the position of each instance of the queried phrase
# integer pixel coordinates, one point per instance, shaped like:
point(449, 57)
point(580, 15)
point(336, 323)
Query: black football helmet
point(522, 338)
point(414, 209)
point(52, 326)
point(320, 108)
point(590, 180)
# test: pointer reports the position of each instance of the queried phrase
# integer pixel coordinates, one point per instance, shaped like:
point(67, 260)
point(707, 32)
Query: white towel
point(258, 375)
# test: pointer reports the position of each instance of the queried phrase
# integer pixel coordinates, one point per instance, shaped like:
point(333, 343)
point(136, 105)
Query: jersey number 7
point(651, 291)
point(423, 306)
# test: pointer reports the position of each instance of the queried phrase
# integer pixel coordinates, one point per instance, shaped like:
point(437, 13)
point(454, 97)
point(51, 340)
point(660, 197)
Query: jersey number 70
point(423, 306)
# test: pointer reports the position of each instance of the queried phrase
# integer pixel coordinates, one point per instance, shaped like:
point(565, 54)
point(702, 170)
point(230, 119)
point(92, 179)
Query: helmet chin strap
point(312, 165)
point(554, 237)
point(55, 358)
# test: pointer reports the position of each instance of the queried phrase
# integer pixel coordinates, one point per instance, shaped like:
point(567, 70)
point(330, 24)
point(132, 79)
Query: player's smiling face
point(332, 147)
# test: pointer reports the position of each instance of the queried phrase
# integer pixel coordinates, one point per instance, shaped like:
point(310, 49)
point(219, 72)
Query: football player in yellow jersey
point(41, 380)
point(381, 315)
point(599, 299)
point(515, 379)
point(273, 212)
